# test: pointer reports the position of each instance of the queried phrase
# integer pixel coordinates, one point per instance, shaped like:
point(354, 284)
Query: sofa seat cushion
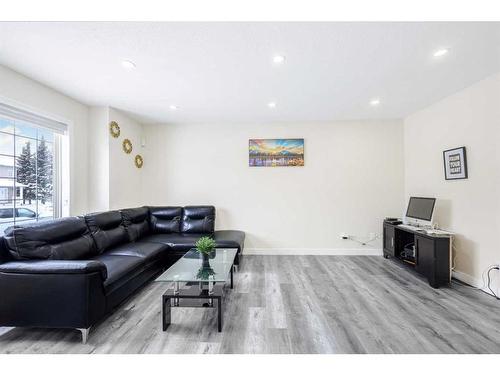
point(120, 268)
point(175, 241)
point(147, 250)
point(230, 239)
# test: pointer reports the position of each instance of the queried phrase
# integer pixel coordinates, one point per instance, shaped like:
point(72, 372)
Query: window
point(30, 149)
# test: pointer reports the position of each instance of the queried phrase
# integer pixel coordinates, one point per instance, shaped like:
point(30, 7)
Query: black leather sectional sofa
point(71, 272)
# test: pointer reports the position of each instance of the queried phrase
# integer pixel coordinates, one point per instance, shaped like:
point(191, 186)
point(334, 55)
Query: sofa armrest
point(52, 293)
point(55, 267)
point(230, 238)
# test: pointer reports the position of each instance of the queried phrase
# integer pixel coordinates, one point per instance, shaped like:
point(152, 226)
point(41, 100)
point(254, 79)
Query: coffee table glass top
point(191, 267)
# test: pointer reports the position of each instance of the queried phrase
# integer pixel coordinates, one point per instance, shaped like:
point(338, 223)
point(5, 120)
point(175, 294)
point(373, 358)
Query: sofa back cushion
point(61, 239)
point(165, 219)
point(198, 219)
point(107, 229)
point(136, 222)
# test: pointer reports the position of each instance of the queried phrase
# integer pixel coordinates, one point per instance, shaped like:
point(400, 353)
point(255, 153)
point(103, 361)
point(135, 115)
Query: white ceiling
point(224, 72)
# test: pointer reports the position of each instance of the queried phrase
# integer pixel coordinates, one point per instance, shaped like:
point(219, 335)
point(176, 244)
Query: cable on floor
point(489, 280)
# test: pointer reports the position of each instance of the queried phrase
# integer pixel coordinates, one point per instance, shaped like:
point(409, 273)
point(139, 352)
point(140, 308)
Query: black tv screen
point(420, 208)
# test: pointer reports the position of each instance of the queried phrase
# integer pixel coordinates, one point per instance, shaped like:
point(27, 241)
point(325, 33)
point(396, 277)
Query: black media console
point(428, 254)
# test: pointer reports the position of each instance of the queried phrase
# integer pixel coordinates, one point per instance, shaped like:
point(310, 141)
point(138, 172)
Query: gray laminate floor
point(295, 304)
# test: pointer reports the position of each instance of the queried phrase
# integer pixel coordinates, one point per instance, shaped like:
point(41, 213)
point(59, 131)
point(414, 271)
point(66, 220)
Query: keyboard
point(438, 231)
point(413, 227)
point(426, 230)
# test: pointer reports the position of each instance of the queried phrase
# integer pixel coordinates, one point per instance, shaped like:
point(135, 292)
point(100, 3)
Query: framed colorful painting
point(276, 152)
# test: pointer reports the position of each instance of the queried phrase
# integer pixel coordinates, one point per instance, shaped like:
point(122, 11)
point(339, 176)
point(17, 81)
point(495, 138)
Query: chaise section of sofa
point(231, 239)
point(180, 227)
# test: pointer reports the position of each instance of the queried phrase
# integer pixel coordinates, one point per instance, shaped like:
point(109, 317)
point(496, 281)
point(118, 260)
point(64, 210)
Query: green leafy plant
point(204, 273)
point(205, 245)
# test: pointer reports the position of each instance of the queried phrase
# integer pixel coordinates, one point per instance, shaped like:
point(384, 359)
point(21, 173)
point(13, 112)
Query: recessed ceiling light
point(127, 64)
point(374, 102)
point(271, 105)
point(441, 52)
point(279, 59)
point(173, 107)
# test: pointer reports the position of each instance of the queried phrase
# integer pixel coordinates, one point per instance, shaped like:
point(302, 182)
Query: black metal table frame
point(172, 298)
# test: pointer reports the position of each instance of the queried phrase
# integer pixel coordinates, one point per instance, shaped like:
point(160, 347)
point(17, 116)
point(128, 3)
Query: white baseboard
point(467, 279)
point(309, 251)
point(472, 281)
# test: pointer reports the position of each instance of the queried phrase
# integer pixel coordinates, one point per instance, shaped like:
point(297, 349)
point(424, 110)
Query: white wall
point(98, 176)
point(114, 180)
point(18, 89)
point(470, 207)
point(352, 179)
point(125, 179)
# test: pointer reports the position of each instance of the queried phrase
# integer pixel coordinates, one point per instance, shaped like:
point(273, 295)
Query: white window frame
point(61, 130)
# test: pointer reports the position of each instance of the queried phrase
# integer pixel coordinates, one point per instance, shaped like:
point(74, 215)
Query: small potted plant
point(204, 273)
point(205, 246)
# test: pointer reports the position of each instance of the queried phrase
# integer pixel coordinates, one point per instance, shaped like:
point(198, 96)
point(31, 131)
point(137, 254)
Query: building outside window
point(30, 184)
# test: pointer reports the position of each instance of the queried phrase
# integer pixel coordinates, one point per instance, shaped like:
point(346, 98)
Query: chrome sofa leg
point(85, 334)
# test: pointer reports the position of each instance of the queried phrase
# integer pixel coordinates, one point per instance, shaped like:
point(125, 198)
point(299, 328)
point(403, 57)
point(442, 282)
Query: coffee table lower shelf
point(190, 297)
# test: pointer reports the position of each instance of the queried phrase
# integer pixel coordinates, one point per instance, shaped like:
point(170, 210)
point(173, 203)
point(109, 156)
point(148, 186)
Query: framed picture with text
point(455, 164)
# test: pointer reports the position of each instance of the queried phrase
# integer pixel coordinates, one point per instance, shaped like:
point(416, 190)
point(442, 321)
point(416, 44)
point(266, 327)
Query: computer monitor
point(420, 210)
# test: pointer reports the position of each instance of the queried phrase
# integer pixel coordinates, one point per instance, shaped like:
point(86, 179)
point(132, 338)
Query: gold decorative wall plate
point(114, 129)
point(139, 162)
point(127, 146)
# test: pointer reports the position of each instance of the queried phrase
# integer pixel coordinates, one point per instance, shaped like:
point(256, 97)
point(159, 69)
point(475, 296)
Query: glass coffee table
point(202, 279)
